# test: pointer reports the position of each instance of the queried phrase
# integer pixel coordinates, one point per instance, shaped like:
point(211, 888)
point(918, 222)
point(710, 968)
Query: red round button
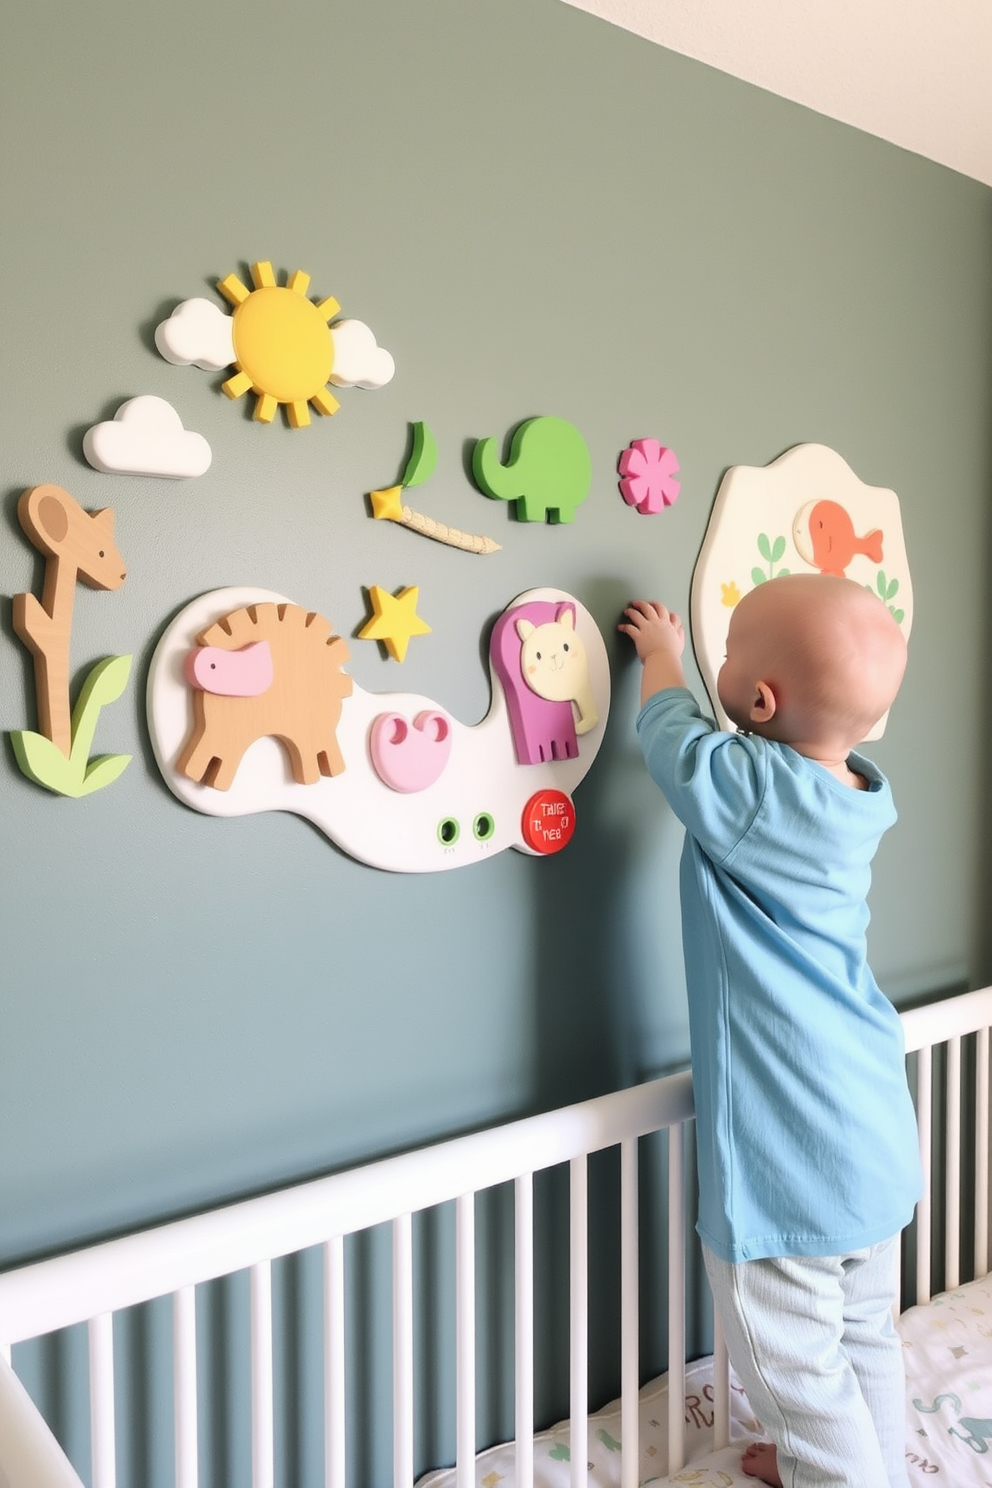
point(548, 821)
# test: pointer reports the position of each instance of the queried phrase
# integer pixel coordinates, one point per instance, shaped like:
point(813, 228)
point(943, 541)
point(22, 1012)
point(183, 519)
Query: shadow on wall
point(582, 1027)
point(590, 1032)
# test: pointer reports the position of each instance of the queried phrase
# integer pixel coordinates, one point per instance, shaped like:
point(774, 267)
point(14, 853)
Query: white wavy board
point(422, 831)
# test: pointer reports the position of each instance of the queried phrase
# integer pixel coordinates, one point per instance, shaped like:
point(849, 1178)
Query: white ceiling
point(915, 72)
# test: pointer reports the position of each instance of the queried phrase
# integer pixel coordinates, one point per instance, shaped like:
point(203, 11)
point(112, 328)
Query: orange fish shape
point(824, 536)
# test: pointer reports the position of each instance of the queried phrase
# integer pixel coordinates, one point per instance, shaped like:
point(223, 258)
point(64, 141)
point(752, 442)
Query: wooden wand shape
point(389, 506)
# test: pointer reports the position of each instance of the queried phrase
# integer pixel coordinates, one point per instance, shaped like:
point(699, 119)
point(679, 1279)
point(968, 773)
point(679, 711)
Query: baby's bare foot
point(759, 1461)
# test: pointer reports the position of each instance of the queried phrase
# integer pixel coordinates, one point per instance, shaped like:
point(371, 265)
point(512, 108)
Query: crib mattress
point(947, 1345)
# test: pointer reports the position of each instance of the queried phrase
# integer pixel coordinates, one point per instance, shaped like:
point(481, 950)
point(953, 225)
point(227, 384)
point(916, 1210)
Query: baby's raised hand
point(653, 628)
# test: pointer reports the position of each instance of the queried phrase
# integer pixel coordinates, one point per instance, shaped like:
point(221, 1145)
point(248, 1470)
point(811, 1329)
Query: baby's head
point(812, 661)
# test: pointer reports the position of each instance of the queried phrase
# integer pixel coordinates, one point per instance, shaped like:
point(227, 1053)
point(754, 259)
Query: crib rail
point(90, 1285)
point(136, 1268)
point(951, 1037)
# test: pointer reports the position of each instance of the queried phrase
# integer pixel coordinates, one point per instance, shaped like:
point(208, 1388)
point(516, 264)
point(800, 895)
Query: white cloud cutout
point(146, 437)
point(197, 334)
point(358, 361)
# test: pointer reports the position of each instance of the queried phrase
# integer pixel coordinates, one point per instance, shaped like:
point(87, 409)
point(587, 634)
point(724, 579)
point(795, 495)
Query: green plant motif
point(609, 1442)
point(772, 552)
point(887, 589)
point(78, 775)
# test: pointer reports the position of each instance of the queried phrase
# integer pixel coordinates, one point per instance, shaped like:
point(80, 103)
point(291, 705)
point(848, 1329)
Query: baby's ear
point(764, 705)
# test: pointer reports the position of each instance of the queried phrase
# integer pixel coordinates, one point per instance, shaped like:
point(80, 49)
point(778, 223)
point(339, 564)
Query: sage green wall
point(537, 213)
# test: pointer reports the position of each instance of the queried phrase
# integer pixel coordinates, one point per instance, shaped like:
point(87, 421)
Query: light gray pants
point(813, 1342)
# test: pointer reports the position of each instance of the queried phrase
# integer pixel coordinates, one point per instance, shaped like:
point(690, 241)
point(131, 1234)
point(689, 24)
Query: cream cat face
point(552, 657)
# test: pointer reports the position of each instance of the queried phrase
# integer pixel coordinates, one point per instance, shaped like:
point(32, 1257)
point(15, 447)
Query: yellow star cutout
point(394, 620)
point(388, 503)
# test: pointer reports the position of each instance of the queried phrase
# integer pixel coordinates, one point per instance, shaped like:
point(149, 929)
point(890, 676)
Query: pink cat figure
point(541, 661)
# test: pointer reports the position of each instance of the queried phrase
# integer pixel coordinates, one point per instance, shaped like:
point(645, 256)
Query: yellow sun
point(283, 347)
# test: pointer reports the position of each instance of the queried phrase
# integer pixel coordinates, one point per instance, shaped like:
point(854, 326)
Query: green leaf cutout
point(758, 576)
point(765, 547)
point(78, 775)
point(423, 457)
point(778, 549)
point(104, 685)
point(102, 771)
point(42, 761)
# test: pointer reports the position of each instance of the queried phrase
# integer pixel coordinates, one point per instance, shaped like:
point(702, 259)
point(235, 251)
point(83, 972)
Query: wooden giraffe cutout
point(77, 545)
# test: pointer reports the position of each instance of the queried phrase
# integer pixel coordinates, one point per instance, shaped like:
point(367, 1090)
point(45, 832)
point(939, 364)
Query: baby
point(806, 1136)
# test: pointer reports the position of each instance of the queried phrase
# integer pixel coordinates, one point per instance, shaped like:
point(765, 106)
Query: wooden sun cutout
point(284, 350)
point(281, 343)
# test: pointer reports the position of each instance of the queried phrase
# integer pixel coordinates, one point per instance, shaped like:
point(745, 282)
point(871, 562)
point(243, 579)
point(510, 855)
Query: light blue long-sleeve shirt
point(806, 1135)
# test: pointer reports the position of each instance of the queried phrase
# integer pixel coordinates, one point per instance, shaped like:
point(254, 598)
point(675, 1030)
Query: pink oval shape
point(244, 673)
point(410, 757)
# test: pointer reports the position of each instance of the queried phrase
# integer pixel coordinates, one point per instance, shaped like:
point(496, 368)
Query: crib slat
point(924, 1114)
point(184, 1386)
point(465, 1340)
point(629, 1319)
point(982, 1153)
point(523, 1348)
point(579, 1320)
point(676, 1298)
point(952, 1181)
point(100, 1332)
point(403, 1351)
point(334, 1364)
point(262, 1428)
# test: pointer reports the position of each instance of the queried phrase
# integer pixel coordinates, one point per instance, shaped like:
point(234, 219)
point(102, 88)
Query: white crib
point(948, 1045)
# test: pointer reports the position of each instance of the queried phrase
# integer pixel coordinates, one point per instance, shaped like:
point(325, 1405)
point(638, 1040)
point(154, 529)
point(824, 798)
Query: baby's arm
point(659, 639)
point(713, 781)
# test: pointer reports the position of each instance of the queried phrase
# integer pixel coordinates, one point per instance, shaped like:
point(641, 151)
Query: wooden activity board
point(806, 512)
point(392, 778)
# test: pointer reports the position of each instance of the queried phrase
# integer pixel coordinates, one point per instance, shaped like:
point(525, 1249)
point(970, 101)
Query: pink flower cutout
point(648, 471)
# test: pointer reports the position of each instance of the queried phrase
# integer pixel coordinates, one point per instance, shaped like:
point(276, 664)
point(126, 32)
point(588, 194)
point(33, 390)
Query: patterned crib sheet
point(496, 1468)
point(948, 1351)
point(947, 1346)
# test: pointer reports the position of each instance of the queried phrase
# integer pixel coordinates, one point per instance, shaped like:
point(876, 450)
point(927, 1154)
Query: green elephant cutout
point(548, 474)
